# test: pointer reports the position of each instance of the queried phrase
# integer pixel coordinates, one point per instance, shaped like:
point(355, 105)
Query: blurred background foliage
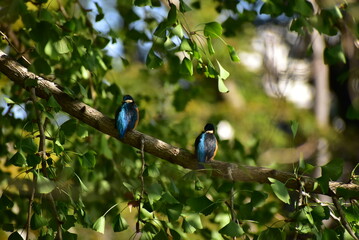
point(165, 53)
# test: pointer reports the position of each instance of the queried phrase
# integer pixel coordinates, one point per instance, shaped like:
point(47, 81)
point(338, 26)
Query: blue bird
point(206, 144)
point(127, 116)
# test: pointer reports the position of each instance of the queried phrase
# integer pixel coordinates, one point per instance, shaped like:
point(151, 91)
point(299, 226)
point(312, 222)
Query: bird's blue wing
point(201, 148)
point(122, 120)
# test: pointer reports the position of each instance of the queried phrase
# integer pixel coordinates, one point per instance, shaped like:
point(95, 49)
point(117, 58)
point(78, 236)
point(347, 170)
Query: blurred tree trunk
point(321, 80)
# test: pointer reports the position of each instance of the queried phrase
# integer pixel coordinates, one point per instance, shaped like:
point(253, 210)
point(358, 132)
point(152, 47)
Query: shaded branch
point(92, 117)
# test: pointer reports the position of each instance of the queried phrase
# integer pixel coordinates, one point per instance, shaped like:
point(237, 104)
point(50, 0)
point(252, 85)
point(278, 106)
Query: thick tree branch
point(92, 117)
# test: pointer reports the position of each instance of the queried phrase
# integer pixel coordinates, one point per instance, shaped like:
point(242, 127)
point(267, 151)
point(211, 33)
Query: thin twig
point(231, 202)
point(42, 153)
point(31, 200)
point(142, 184)
point(3, 35)
point(343, 220)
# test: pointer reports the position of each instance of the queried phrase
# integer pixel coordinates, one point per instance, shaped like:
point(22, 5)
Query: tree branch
point(92, 117)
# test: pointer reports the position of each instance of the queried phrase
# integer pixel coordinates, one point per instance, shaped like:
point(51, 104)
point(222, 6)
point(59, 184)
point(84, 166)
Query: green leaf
point(53, 103)
point(294, 127)
point(153, 61)
point(15, 236)
point(175, 235)
point(68, 127)
point(333, 170)
point(330, 234)
point(187, 228)
point(63, 46)
point(18, 160)
point(33, 159)
point(258, 198)
point(161, 235)
point(88, 159)
point(83, 186)
point(172, 15)
point(100, 14)
point(185, 45)
point(232, 229)
point(41, 66)
point(222, 72)
point(168, 198)
point(347, 194)
point(212, 29)
point(271, 233)
point(44, 185)
point(173, 211)
point(198, 185)
point(8, 100)
point(99, 225)
point(186, 67)
point(307, 212)
point(280, 190)
point(233, 54)
point(5, 202)
point(152, 171)
point(178, 31)
point(37, 221)
point(303, 7)
point(221, 86)
point(31, 82)
point(154, 192)
point(195, 221)
point(324, 183)
point(184, 7)
point(58, 148)
point(28, 146)
point(119, 223)
point(142, 3)
point(210, 46)
point(201, 205)
point(334, 54)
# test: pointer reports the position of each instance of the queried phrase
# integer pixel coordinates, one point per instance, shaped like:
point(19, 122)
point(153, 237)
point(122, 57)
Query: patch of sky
point(17, 111)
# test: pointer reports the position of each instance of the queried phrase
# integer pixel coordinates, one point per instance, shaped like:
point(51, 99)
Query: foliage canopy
point(60, 178)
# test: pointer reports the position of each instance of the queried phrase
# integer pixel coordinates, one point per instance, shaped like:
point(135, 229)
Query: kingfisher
point(206, 144)
point(127, 116)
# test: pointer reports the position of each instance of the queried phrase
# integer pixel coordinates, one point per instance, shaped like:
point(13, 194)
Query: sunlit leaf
point(187, 228)
point(212, 29)
point(63, 46)
point(8, 100)
point(186, 67)
point(233, 54)
point(223, 73)
point(44, 185)
point(173, 211)
point(232, 229)
point(294, 127)
point(280, 190)
point(221, 86)
point(195, 221)
point(184, 7)
point(99, 225)
point(210, 46)
point(178, 31)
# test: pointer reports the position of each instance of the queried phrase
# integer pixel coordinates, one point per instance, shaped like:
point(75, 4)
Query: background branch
point(94, 118)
